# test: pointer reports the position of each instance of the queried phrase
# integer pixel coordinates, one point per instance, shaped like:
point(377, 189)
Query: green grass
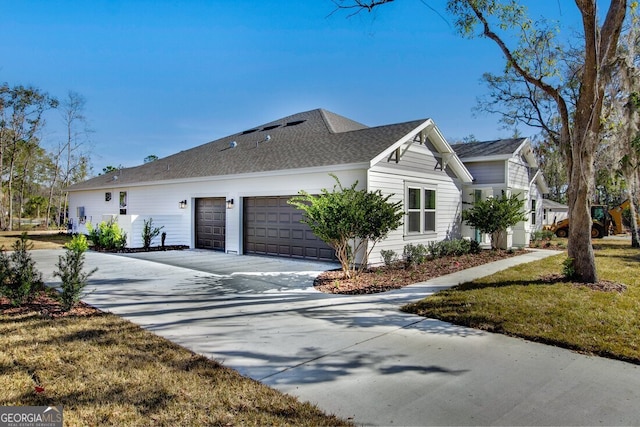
point(107, 371)
point(517, 302)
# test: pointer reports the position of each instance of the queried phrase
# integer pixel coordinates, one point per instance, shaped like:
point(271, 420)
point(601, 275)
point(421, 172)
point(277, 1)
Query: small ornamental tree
point(71, 271)
point(149, 232)
point(350, 221)
point(495, 215)
point(20, 281)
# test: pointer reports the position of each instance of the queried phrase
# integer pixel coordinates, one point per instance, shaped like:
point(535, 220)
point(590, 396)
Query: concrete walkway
point(358, 356)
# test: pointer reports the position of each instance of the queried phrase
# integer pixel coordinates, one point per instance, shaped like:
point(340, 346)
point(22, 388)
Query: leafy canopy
point(495, 215)
point(348, 219)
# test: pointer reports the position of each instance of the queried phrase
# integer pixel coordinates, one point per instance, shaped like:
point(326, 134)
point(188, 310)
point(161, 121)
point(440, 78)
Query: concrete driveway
point(358, 357)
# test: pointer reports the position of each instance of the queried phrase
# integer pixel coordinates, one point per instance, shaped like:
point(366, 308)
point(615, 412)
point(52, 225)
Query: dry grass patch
point(40, 239)
point(521, 301)
point(107, 371)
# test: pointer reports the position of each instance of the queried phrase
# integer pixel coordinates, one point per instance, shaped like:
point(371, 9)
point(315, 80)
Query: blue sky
point(163, 76)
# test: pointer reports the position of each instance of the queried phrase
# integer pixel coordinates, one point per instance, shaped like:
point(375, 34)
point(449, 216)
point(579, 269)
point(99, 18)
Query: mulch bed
point(47, 305)
point(382, 279)
point(151, 249)
point(602, 285)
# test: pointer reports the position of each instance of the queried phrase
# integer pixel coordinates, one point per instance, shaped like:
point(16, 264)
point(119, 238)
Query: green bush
point(415, 254)
point(456, 247)
point(70, 270)
point(540, 235)
point(351, 221)
point(568, 269)
point(20, 281)
point(389, 257)
point(149, 232)
point(495, 215)
point(107, 236)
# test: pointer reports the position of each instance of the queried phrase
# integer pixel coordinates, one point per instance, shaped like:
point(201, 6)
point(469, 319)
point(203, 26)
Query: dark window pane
point(429, 221)
point(429, 199)
point(414, 222)
point(414, 198)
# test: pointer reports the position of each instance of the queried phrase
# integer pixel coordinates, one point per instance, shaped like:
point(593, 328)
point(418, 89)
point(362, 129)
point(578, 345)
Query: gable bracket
point(397, 154)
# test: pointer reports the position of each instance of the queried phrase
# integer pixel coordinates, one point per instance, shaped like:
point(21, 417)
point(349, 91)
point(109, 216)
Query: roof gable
point(502, 148)
point(316, 138)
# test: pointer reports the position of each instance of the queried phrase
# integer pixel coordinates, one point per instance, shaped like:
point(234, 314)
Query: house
point(231, 194)
point(553, 212)
point(509, 166)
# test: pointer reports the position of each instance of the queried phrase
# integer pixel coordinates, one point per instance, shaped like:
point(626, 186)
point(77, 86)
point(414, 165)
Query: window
point(533, 211)
point(421, 210)
point(123, 203)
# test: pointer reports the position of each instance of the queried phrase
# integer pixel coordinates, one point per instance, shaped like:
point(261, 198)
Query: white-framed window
point(533, 211)
point(420, 202)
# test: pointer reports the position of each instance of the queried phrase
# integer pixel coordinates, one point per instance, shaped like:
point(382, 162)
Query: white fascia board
point(438, 141)
point(528, 152)
point(497, 157)
point(542, 183)
point(386, 153)
point(266, 174)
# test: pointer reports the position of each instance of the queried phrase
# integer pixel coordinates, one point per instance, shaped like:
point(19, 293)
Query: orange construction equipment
point(605, 221)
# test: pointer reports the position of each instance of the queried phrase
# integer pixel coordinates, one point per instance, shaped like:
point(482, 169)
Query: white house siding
point(487, 172)
point(417, 165)
point(160, 201)
point(518, 174)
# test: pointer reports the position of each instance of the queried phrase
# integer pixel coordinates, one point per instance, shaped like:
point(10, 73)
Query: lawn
point(39, 239)
point(108, 371)
point(528, 301)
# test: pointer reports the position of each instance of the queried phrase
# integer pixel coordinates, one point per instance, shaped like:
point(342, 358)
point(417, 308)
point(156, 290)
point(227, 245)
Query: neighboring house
point(231, 194)
point(553, 212)
point(509, 166)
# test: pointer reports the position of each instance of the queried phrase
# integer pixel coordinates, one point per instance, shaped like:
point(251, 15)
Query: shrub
point(351, 221)
point(149, 232)
point(19, 278)
point(456, 247)
point(389, 257)
point(415, 254)
point(70, 270)
point(495, 215)
point(568, 269)
point(540, 235)
point(107, 236)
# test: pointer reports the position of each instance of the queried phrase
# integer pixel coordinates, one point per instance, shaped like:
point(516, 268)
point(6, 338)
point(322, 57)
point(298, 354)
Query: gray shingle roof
point(309, 139)
point(496, 147)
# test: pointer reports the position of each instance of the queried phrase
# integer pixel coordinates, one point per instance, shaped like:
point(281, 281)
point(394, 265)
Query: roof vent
point(233, 144)
point(250, 131)
point(270, 127)
point(295, 122)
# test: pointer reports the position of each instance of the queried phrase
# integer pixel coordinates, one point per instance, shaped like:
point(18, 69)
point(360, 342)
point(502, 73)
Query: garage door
point(273, 227)
point(210, 223)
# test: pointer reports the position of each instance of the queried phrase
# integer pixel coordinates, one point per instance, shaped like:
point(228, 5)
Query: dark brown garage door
point(210, 223)
point(273, 227)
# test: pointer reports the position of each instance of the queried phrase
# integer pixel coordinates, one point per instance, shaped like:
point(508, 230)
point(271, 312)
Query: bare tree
point(579, 133)
point(21, 110)
point(623, 114)
point(69, 159)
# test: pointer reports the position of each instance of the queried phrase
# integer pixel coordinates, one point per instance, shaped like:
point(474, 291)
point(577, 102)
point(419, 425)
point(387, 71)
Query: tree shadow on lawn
point(548, 280)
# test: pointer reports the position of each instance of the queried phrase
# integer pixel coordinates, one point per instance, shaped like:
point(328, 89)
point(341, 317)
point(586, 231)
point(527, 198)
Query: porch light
point(230, 204)
point(182, 204)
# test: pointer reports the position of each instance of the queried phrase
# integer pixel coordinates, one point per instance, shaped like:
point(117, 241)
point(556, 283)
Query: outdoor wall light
point(182, 204)
point(230, 204)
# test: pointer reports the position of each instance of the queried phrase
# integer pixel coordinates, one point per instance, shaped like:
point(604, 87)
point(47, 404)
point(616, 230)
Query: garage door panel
point(285, 235)
point(210, 214)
